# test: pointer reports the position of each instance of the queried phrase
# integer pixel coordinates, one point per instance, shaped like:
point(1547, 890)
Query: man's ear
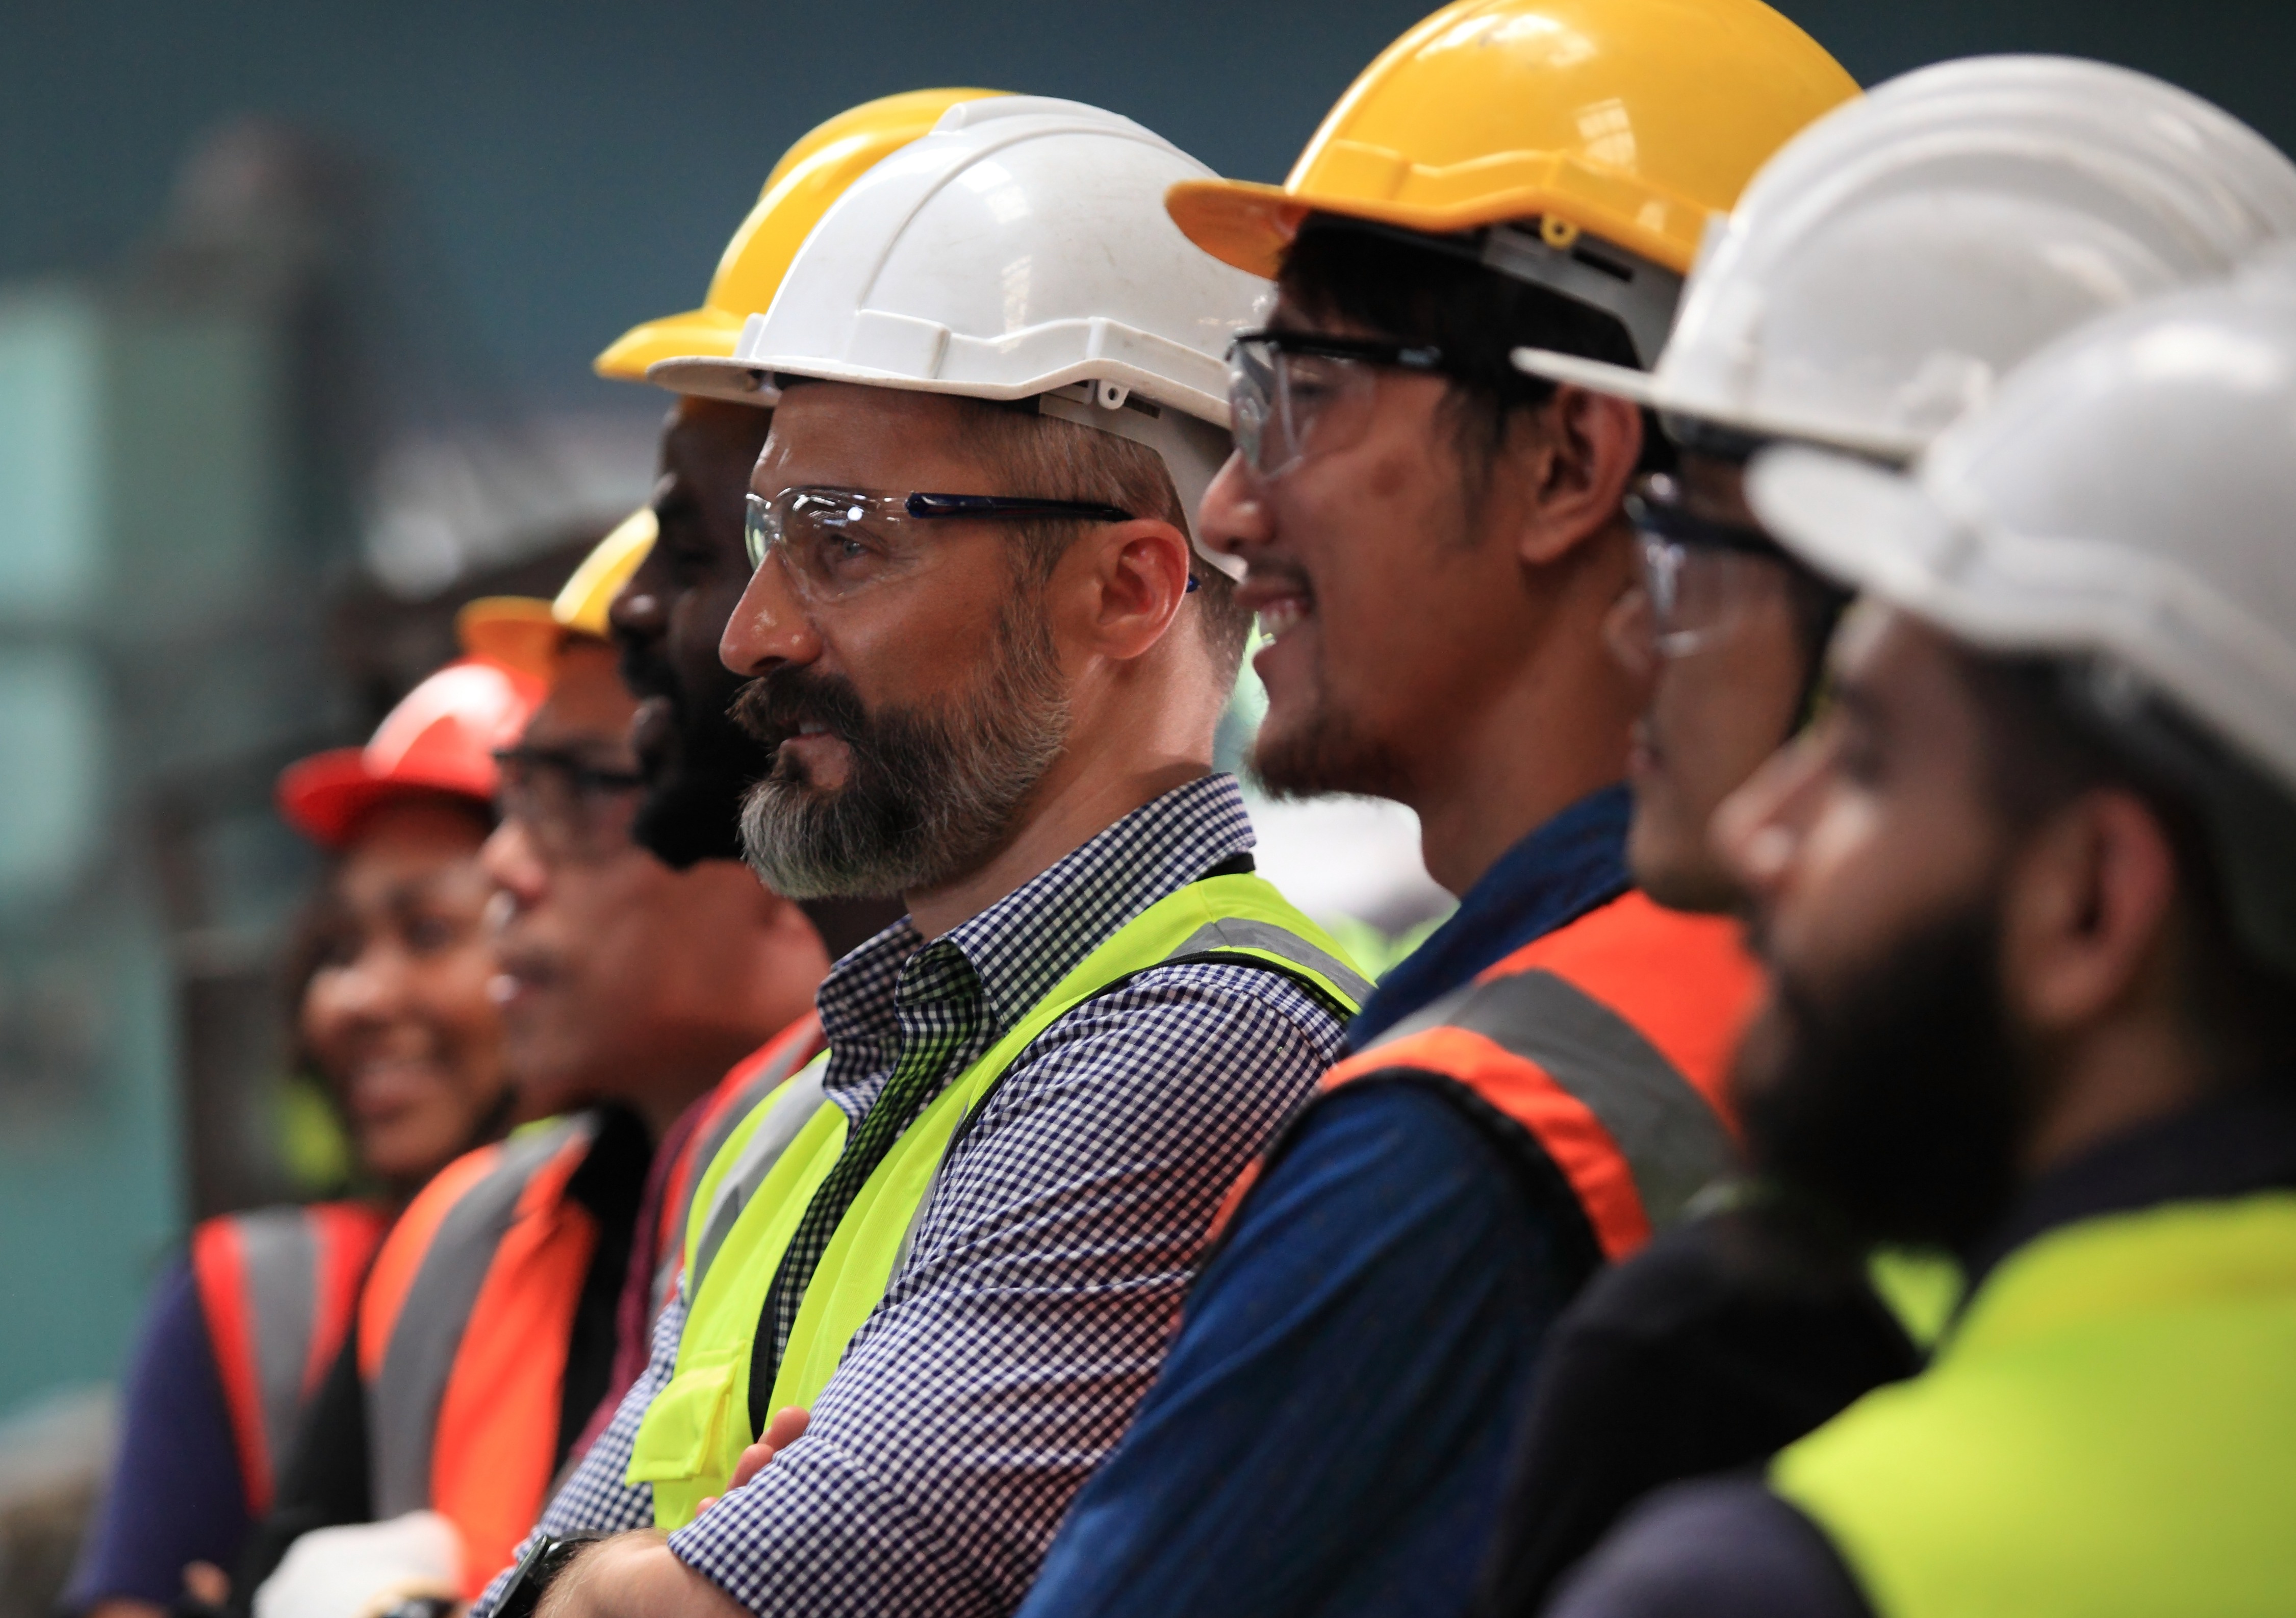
point(1122, 589)
point(1584, 450)
point(2087, 912)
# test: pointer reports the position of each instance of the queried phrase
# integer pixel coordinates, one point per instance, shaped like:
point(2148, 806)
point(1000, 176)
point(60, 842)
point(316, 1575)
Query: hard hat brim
point(746, 381)
point(587, 597)
point(327, 796)
point(1251, 225)
point(1244, 225)
point(696, 332)
point(716, 376)
point(1594, 375)
point(517, 631)
point(1864, 526)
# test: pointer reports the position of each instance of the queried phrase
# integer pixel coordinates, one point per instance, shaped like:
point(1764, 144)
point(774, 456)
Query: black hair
point(1338, 268)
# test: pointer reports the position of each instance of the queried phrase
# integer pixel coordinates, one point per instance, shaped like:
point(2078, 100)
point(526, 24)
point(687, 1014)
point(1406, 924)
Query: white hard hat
point(1905, 250)
point(2129, 499)
point(1021, 249)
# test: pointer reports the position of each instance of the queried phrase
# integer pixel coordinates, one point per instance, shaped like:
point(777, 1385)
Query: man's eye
point(428, 935)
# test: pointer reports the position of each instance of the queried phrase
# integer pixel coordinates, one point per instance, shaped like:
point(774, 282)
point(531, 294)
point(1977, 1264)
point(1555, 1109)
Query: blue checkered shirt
point(1046, 1276)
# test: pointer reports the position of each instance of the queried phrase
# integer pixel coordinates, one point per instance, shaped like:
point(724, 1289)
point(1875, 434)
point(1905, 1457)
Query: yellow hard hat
point(525, 632)
point(1631, 120)
point(812, 175)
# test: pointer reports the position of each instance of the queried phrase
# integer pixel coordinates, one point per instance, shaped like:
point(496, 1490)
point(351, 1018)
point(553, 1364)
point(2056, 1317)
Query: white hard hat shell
point(1022, 249)
point(2130, 495)
point(1906, 249)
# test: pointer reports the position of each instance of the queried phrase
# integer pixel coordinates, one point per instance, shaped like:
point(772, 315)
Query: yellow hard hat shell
point(525, 632)
point(1629, 120)
point(515, 631)
point(582, 602)
point(811, 175)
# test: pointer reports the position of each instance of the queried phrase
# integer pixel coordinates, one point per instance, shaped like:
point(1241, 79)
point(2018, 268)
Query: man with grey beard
point(927, 1281)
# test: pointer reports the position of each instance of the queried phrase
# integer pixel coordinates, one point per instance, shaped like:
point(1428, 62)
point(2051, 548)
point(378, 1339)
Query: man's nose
point(1757, 830)
point(769, 627)
point(514, 866)
point(1233, 519)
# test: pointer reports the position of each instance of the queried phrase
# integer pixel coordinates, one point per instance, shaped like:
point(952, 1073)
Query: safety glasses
point(1296, 394)
point(573, 809)
point(1701, 579)
point(833, 542)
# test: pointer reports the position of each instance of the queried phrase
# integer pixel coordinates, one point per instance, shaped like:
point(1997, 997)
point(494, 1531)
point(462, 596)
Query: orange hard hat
point(440, 738)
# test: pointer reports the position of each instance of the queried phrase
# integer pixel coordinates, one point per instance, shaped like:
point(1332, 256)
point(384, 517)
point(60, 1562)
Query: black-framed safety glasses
point(1296, 394)
point(833, 542)
point(1701, 576)
point(573, 808)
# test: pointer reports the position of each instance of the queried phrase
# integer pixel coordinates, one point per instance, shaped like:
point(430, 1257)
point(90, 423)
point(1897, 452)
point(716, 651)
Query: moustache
point(775, 707)
point(646, 670)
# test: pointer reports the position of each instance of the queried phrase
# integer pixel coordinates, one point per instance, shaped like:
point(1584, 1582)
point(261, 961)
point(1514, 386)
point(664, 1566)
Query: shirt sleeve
point(1328, 1433)
point(176, 1494)
point(1035, 1305)
point(594, 1498)
point(1721, 1549)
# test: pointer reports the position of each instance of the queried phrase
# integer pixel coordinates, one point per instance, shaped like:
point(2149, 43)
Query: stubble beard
point(931, 793)
point(1327, 751)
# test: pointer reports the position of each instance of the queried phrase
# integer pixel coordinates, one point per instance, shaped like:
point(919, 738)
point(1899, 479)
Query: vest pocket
point(682, 1427)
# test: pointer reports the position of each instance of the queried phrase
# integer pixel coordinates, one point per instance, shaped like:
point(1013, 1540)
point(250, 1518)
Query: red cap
point(440, 738)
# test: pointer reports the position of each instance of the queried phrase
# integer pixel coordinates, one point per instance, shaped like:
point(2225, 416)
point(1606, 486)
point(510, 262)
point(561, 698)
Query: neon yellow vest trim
point(698, 1424)
point(2109, 1430)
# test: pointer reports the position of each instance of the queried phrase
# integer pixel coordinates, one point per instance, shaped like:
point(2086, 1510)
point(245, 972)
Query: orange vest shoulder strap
point(746, 1084)
point(464, 1355)
point(1607, 1042)
point(275, 1288)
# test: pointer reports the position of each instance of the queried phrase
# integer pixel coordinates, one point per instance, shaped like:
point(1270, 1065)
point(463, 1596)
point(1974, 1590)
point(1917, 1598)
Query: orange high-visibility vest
point(462, 1336)
point(1601, 1048)
point(276, 1288)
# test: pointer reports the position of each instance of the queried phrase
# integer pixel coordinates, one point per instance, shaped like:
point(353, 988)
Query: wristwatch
point(544, 1561)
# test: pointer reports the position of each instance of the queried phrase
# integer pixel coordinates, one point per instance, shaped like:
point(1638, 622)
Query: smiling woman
point(394, 1015)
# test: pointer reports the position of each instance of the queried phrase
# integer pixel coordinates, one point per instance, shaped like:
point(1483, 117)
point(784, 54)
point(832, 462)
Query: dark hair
point(1371, 276)
point(2048, 738)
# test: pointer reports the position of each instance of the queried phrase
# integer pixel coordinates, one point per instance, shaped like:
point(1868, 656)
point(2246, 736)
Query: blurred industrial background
point(296, 307)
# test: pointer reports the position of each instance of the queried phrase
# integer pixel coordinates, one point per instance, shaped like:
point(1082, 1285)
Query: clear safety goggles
point(1296, 394)
point(1701, 579)
point(574, 810)
point(833, 542)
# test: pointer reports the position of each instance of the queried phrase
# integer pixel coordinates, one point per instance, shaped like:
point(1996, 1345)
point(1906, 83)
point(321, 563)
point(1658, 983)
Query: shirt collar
point(1568, 866)
point(2231, 1145)
point(1022, 945)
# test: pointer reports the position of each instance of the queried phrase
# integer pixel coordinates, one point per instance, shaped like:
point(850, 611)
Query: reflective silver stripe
point(705, 1147)
point(1673, 1143)
point(279, 1258)
point(404, 1398)
point(792, 1109)
point(1230, 933)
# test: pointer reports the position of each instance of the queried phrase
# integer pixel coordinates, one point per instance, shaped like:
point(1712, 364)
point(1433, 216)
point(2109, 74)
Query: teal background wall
point(574, 166)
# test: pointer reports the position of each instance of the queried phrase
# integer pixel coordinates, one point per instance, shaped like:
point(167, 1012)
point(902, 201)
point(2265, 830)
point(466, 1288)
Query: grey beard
point(931, 794)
